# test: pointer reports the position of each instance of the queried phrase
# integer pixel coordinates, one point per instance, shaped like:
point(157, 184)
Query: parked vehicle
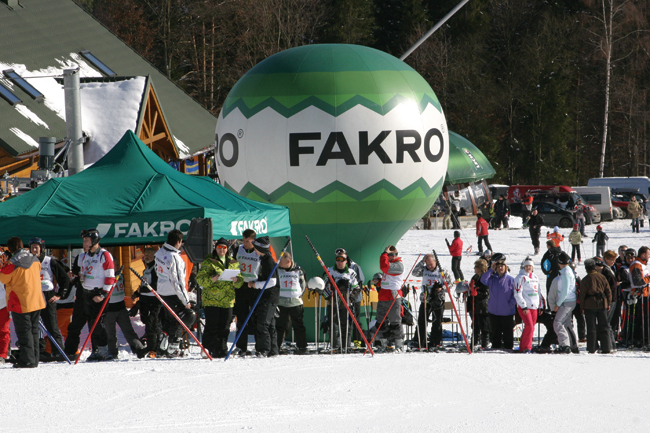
point(618, 212)
point(553, 215)
point(564, 196)
point(497, 190)
point(599, 197)
point(621, 198)
point(641, 183)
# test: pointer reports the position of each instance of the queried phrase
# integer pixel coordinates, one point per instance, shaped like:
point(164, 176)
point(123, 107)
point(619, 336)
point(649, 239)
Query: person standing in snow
point(456, 251)
point(116, 313)
point(292, 286)
point(346, 280)
point(170, 269)
point(526, 208)
point(595, 297)
point(249, 264)
point(634, 210)
point(501, 210)
point(56, 285)
point(5, 319)
point(527, 296)
point(601, 241)
point(556, 236)
point(149, 305)
point(477, 305)
point(357, 298)
point(579, 213)
point(432, 301)
point(501, 304)
point(575, 238)
point(482, 233)
point(218, 298)
point(563, 301)
point(640, 281)
point(606, 267)
point(389, 310)
point(535, 223)
point(550, 266)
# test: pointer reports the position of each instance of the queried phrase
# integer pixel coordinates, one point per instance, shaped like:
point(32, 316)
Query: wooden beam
point(155, 138)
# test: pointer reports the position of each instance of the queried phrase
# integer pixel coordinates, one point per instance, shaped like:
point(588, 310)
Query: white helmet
point(316, 283)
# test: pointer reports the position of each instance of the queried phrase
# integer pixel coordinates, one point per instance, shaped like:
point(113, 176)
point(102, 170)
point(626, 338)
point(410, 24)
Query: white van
point(641, 183)
point(599, 197)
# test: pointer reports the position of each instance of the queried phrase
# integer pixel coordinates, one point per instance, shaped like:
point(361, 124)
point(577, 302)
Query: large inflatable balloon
point(351, 139)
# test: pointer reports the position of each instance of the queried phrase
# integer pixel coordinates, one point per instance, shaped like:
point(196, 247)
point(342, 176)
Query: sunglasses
point(222, 247)
point(391, 254)
point(341, 259)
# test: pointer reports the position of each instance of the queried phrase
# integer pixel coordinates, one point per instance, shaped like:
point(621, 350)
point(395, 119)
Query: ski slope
point(410, 392)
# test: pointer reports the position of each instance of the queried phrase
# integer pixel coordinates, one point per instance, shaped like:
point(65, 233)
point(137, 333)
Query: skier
point(78, 318)
point(266, 340)
point(170, 269)
point(55, 284)
point(562, 301)
point(595, 296)
point(388, 308)
point(97, 274)
point(601, 241)
point(218, 298)
point(116, 313)
point(432, 301)
point(639, 280)
point(579, 213)
point(356, 300)
point(501, 304)
point(149, 305)
point(556, 236)
point(21, 278)
point(528, 302)
point(477, 302)
point(292, 287)
point(575, 238)
point(634, 210)
point(550, 266)
point(249, 264)
point(482, 233)
point(347, 281)
point(501, 210)
point(456, 251)
point(623, 276)
point(535, 223)
point(527, 207)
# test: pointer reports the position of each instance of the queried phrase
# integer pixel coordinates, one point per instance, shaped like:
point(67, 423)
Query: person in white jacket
point(528, 301)
point(563, 301)
point(170, 269)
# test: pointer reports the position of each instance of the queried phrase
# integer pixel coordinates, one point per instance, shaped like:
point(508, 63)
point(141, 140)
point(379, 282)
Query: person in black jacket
point(148, 305)
point(601, 241)
point(55, 284)
point(550, 265)
point(535, 223)
point(501, 210)
point(477, 300)
point(266, 339)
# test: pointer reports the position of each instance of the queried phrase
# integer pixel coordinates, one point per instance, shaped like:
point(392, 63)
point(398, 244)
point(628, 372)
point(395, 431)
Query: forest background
point(543, 88)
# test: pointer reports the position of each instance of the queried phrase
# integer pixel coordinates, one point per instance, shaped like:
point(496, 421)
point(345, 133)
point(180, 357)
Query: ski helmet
point(462, 287)
point(316, 283)
point(93, 234)
point(38, 241)
point(499, 258)
point(188, 316)
point(378, 276)
point(456, 234)
point(599, 227)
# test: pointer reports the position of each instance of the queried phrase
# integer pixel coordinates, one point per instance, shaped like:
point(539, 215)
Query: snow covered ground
point(411, 392)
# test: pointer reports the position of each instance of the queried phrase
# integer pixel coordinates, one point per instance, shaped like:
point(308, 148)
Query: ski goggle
point(341, 259)
point(222, 247)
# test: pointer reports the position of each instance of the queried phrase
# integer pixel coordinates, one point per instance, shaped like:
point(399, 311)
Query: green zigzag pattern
point(330, 109)
point(337, 186)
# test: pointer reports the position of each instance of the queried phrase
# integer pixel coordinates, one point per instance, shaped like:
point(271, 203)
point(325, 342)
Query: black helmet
point(93, 234)
point(188, 316)
point(39, 241)
point(499, 258)
point(630, 252)
point(456, 234)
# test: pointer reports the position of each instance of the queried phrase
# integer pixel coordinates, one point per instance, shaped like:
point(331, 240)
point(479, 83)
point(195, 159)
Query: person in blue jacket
point(501, 303)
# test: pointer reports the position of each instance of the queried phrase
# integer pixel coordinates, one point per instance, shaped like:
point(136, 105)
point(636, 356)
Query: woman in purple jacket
point(501, 304)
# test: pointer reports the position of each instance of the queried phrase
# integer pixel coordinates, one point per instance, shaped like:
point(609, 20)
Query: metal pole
point(432, 31)
point(73, 120)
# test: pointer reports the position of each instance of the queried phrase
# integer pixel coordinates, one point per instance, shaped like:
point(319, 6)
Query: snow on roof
point(26, 138)
point(183, 150)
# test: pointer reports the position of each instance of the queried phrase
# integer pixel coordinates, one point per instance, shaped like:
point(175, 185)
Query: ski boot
point(101, 354)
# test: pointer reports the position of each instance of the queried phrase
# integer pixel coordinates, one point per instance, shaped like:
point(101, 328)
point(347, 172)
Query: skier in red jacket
point(482, 233)
point(456, 250)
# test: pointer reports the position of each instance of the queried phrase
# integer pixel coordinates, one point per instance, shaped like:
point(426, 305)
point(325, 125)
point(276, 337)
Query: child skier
point(556, 236)
point(601, 241)
point(575, 238)
point(456, 250)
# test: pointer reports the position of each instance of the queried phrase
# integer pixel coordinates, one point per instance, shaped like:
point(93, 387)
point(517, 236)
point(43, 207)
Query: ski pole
point(53, 341)
point(110, 292)
point(418, 320)
point(178, 319)
point(339, 292)
point(250, 313)
point(469, 350)
point(426, 316)
point(391, 305)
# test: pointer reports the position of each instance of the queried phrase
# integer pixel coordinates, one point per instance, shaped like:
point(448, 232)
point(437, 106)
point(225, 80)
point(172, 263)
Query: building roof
point(41, 38)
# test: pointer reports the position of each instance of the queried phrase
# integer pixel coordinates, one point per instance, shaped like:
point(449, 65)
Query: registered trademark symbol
point(240, 133)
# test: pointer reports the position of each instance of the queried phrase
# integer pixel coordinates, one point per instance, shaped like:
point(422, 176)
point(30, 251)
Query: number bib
point(249, 264)
point(289, 283)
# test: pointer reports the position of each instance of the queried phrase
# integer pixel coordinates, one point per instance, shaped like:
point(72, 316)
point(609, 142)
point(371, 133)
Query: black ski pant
point(26, 327)
point(266, 339)
point(48, 314)
point(641, 320)
point(121, 317)
point(502, 331)
point(580, 320)
point(295, 315)
point(547, 318)
point(482, 239)
point(150, 315)
point(76, 325)
point(598, 330)
point(575, 249)
point(340, 341)
point(501, 219)
point(171, 326)
point(436, 310)
point(216, 331)
point(244, 299)
point(91, 310)
point(455, 268)
point(534, 237)
point(481, 328)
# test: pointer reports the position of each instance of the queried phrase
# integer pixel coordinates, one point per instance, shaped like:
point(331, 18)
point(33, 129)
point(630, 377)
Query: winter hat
point(556, 229)
point(527, 261)
point(590, 265)
point(598, 261)
point(599, 227)
point(564, 259)
point(262, 244)
point(576, 227)
point(456, 234)
point(479, 214)
point(221, 241)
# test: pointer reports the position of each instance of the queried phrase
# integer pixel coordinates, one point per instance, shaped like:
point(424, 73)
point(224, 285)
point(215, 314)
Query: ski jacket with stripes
point(527, 292)
point(97, 270)
point(392, 279)
point(639, 278)
point(22, 279)
point(170, 268)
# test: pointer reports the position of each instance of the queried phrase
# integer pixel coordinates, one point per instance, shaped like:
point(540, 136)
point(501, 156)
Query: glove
point(632, 300)
point(405, 290)
point(134, 310)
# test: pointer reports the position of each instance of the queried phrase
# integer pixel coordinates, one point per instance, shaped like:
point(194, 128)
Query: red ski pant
point(529, 320)
point(5, 335)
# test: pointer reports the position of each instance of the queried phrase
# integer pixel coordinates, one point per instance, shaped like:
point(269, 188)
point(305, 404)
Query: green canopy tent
point(132, 197)
point(466, 162)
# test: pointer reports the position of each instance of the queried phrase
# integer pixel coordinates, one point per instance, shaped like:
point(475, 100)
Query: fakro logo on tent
point(238, 227)
point(142, 230)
